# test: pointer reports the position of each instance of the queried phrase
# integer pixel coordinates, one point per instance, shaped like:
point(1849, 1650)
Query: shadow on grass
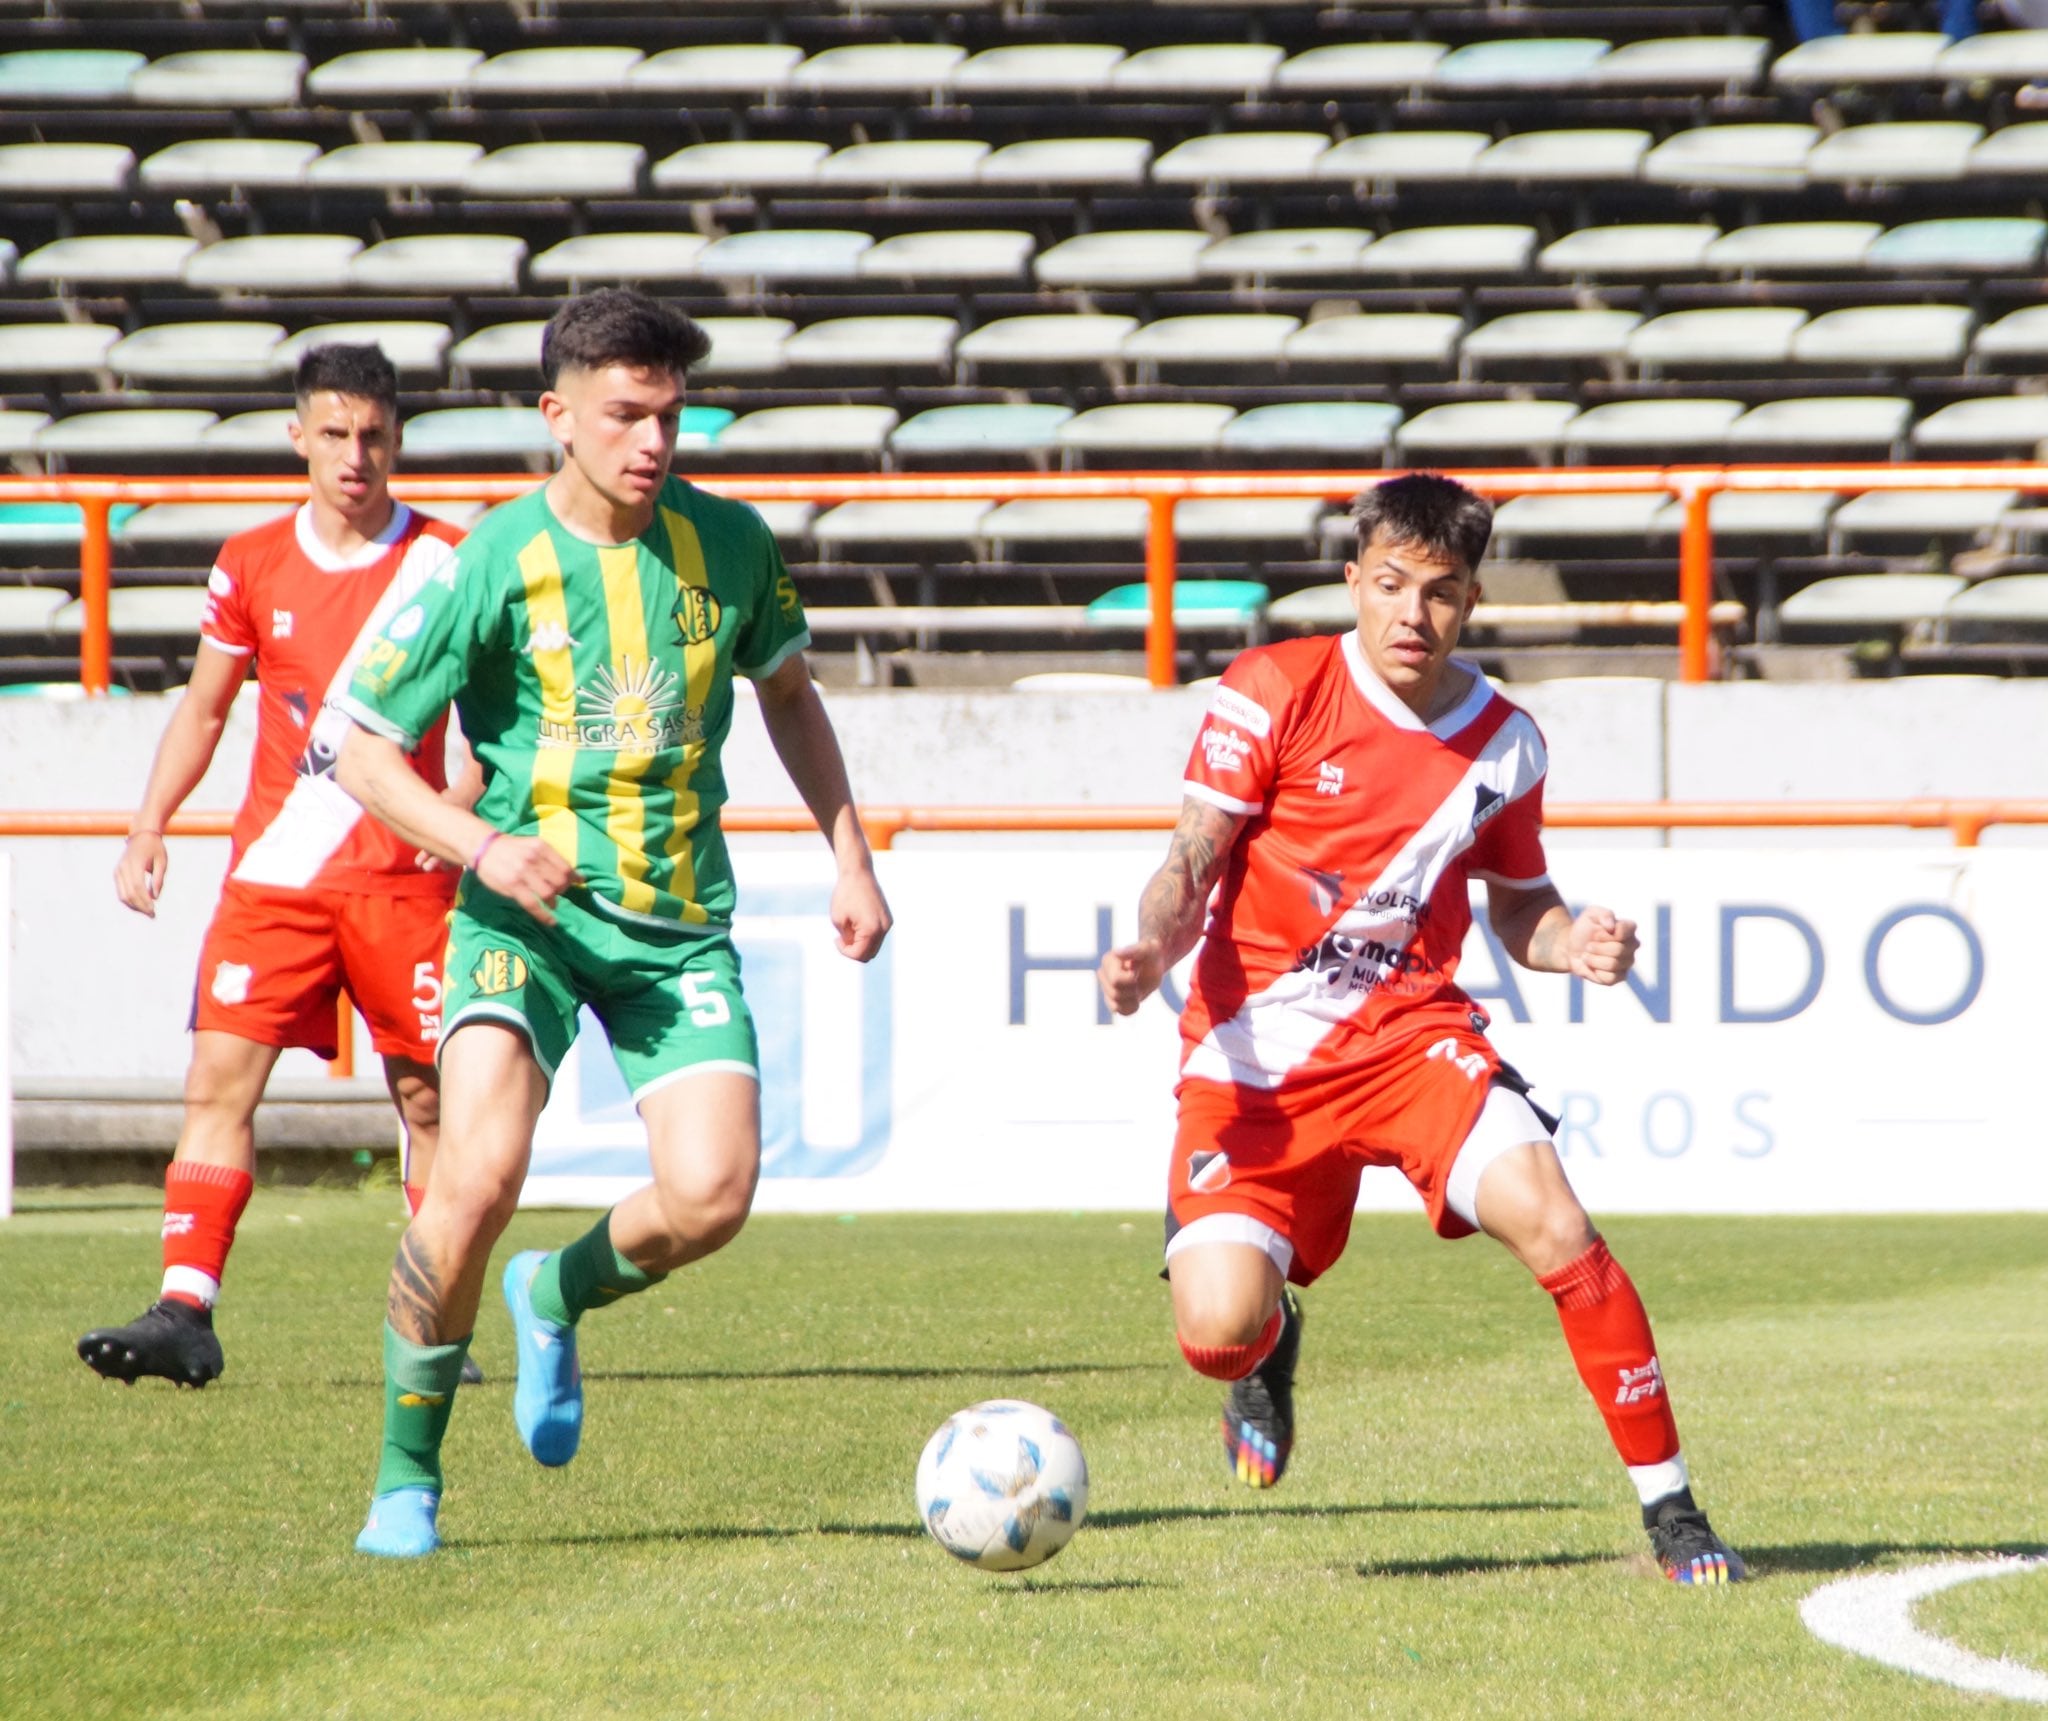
point(1084, 1586)
point(874, 1371)
point(1471, 1565)
point(1769, 1562)
point(1135, 1516)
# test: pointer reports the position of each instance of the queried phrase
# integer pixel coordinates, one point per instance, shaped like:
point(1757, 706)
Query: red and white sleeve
point(227, 620)
point(1235, 760)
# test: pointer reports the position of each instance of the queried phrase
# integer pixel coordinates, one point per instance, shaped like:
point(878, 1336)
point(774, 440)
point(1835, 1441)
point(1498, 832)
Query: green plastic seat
point(699, 426)
point(68, 74)
point(1006, 427)
point(51, 522)
point(1993, 243)
point(1216, 603)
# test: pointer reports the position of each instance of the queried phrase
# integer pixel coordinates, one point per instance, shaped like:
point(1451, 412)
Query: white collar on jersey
point(1388, 704)
point(327, 561)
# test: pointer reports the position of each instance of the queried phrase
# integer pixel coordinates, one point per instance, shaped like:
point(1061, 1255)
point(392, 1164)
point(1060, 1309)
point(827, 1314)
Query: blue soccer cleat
point(401, 1525)
point(547, 1405)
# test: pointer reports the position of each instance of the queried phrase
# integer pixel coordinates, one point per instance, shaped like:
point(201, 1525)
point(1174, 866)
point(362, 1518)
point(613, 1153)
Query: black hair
point(617, 326)
point(360, 371)
point(1429, 511)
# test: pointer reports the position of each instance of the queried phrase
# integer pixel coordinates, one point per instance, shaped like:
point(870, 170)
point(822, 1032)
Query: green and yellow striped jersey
point(594, 684)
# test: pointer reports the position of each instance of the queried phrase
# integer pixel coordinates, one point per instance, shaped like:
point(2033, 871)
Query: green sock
point(419, 1393)
point(586, 1275)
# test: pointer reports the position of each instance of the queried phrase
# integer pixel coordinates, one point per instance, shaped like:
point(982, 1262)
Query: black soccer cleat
point(1686, 1545)
point(1258, 1416)
point(172, 1339)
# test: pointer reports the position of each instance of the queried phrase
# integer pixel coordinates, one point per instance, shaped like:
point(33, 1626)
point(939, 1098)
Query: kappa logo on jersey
point(549, 636)
point(1638, 1384)
point(1329, 779)
point(498, 971)
point(1472, 1063)
point(1208, 1172)
point(1223, 749)
point(1248, 714)
point(698, 614)
point(280, 624)
point(231, 982)
point(1325, 889)
point(1488, 802)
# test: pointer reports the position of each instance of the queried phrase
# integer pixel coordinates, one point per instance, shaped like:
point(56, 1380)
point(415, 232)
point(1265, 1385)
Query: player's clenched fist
point(860, 914)
point(1130, 975)
point(1601, 947)
point(139, 874)
point(528, 871)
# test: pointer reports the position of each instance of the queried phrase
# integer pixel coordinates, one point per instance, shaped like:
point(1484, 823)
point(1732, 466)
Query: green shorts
point(670, 1002)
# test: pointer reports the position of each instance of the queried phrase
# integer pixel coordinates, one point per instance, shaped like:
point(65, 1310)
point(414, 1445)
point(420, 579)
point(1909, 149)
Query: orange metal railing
point(1694, 486)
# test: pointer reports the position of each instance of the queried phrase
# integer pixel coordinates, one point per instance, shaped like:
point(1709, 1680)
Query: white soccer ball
point(1002, 1485)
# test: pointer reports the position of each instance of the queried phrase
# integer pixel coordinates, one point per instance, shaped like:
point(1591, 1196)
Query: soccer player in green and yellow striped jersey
point(588, 635)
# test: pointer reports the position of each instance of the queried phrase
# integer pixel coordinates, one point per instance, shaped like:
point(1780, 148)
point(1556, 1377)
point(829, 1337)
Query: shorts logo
point(698, 614)
point(1208, 1172)
point(231, 983)
point(1472, 1063)
point(498, 971)
point(1638, 1384)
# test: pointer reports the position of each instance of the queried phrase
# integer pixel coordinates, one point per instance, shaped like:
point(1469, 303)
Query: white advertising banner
point(1833, 1031)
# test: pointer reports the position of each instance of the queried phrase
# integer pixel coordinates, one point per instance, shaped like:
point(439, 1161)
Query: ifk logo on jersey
point(498, 971)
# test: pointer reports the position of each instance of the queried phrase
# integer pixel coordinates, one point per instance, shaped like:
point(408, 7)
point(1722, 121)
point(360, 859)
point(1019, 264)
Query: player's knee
point(1219, 1324)
point(1556, 1237)
point(472, 1204)
point(705, 1209)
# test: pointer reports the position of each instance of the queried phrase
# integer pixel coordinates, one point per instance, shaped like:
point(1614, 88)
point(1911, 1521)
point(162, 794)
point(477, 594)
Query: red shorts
point(1292, 1158)
point(275, 962)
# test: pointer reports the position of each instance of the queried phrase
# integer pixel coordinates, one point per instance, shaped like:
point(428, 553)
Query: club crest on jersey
point(698, 614)
point(498, 971)
point(1485, 804)
point(1208, 1172)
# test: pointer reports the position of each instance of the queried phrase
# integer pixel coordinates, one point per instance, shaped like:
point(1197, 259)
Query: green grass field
point(738, 1536)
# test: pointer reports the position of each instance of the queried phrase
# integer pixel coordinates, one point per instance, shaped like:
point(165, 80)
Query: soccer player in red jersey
point(318, 898)
point(1340, 795)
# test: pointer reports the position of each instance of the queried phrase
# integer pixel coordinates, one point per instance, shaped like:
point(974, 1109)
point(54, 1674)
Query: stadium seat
point(1551, 335)
point(29, 609)
point(229, 164)
point(1242, 158)
point(1682, 62)
point(920, 161)
point(56, 523)
point(952, 254)
point(1609, 153)
point(718, 68)
point(394, 75)
point(441, 164)
point(999, 428)
point(1733, 157)
point(416, 348)
point(2018, 334)
point(1069, 161)
point(275, 263)
point(1332, 430)
point(1226, 606)
point(442, 263)
point(21, 430)
point(141, 610)
point(1064, 681)
point(224, 352)
point(1795, 247)
point(907, 522)
point(168, 431)
point(1391, 156)
point(1653, 249)
point(1359, 68)
point(1865, 422)
point(1987, 245)
point(65, 169)
point(546, 170)
point(2014, 598)
point(1923, 513)
point(1576, 517)
point(811, 430)
point(1038, 68)
point(97, 75)
point(1752, 335)
point(254, 433)
point(1315, 609)
point(1869, 600)
point(1876, 57)
point(54, 349)
point(1378, 338)
point(569, 74)
point(908, 342)
point(1520, 63)
point(789, 521)
point(1995, 57)
point(10, 254)
point(596, 259)
point(2010, 422)
point(1282, 253)
point(740, 166)
point(1240, 70)
point(1647, 426)
point(143, 258)
point(1069, 520)
point(196, 522)
point(784, 254)
point(1789, 516)
point(235, 79)
point(1124, 259)
point(477, 432)
point(1534, 425)
point(1085, 338)
point(1895, 152)
point(1218, 338)
point(879, 68)
point(1176, 426)
point(1885, 336)
point(1454, 251)
point(1247, 519)
point(700, 428)
point(743, 346)
point(2013, 149)
point(500, 347)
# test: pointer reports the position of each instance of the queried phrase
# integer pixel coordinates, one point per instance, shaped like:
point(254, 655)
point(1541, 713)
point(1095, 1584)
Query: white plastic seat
point(1069, 520)
point(862, 341)
point(2013, 598)
point(2012, 149)
point(811, 430)
point(541, 170)
point(718, 68)
point(1039, 68)
point(1553, 335)
point(65, 169)
point(1325, 429)
point(1247, 519)
point(1995, 57)
point(394, 74)
point(198, 352)
point(1535, 425)
point(1878, 57)
point(1897, 151)
point(275, 263)
point(995, 428)
point(31, 609)
point(2010, 421)
point(1455, 251)
point(1924, 513)
point(1521, 63)
point(1768, 157)
point(1791, 516)
point(1399, 155)
point(1868, 421)
point(954, 254)
point(1200, 69)
point(570, 72)
point(1869, 600)
point(1127, 259)
point(601, 257)
point(1069, 161)
point(1242, 158)
point(881, 68)
point(154, 611)
point(1315, 609)
point(1756, 335)
point(414, 348)
point(1378, 338)
point(1575, 517)
point(1884, 335)
point(1652, 249)
point(743, 346)
point(54, 349)
point(1084, 338)
point(716, 166)
point(791, 523)
point(20, 429)
point(1795, 246)
point(500, 347)
point(37, 76)
point(213, 79)
point(1653, 424)
point(442, 263)
point(148, 430)
point(2018, 334)
point(1360, 67)
point(1993, 245)
point(440, 164)
point(478, 432)
point(198, 522)
point(226, 163)
point(1283, 253)
point(253, 433)
point(909, 161)
point(1168, 425)
point(1683, 62)
point(1065, 681)
point(907, 522)
point(1606, 153)
point(784, 254)
point(1248, 337)
point(145, 258)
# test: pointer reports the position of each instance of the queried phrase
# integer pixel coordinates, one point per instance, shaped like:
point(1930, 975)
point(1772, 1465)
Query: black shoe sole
point(112, 1360)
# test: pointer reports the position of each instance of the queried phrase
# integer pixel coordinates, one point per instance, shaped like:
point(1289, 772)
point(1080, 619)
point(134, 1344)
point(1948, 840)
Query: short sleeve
point(226, 621)
point(1510, 846)
point(1235, 761)
point(409, 670)
point(776, 629)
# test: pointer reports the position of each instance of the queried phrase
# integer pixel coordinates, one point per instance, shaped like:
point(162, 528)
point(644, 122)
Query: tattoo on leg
point(415, 1301)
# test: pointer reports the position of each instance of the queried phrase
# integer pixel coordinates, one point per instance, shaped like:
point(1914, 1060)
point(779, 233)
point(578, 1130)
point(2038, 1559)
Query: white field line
point(1873, 1616)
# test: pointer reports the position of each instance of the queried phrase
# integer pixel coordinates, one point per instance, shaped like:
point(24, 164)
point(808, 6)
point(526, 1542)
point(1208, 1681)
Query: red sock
point(1609, 1333)
point(415, 1193)
point(1233, 1362)
point(202, 1204)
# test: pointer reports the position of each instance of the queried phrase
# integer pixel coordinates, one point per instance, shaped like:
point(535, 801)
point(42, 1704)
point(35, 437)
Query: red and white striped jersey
point(280, 598)
point(1337, 926)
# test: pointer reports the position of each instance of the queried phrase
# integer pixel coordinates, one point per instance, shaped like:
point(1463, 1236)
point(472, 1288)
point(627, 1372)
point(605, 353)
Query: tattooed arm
point(1170, 912)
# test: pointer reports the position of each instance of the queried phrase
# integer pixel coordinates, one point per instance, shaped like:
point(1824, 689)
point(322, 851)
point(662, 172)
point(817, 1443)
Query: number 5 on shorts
point(707, 1005)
